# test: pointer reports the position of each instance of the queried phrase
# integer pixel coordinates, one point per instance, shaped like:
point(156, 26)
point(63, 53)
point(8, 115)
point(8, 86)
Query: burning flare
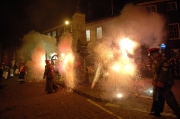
point(120, 66)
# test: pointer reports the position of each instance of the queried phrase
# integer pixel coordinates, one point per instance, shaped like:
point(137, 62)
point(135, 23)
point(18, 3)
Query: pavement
point(140, 99)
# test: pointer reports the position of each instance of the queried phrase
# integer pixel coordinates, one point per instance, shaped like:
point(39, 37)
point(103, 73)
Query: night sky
point(18, 17)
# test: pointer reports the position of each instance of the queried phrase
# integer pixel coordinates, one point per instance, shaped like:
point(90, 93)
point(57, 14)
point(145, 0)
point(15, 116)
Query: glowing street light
point(119, 95)
point(66, 22)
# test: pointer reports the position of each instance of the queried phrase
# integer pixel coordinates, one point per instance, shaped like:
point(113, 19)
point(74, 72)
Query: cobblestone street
point(29, 101)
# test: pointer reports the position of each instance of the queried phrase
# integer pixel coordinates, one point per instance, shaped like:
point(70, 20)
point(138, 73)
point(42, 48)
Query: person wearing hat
point(6, 71)
point(162, 83)
point(49, 76)
point(22, 72)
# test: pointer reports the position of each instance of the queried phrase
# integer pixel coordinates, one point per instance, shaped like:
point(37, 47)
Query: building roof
point(102, 19)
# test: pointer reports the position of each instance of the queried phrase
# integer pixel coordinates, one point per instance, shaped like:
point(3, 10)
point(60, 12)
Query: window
point(54, 33)
point(99, 32)
point(88, 34)
point(175, 52)
point(171, 6)
point(174, 31)
point(151, 8)
point(49, 34)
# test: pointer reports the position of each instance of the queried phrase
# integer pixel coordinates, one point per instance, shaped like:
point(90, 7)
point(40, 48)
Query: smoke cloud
point(145, 28)
point(34, 49)
point(114, 55)
point(67, 60)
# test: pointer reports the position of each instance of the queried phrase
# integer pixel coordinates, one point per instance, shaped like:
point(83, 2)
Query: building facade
point(170, 9)
point(77, 28)
point(86, 32)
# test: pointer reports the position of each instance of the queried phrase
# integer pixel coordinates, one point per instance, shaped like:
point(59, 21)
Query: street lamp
point(67, 23)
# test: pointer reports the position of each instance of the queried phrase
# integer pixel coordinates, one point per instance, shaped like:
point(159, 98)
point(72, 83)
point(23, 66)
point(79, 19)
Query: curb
point(85, 94)
point(98, 99)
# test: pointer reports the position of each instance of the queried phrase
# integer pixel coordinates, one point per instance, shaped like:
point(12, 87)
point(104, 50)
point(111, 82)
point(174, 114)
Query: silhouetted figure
point(49, 75)
point(162, 83)
point(22, 72)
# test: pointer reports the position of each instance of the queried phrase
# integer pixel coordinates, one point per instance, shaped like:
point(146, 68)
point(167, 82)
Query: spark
point(116, 67)
point(119, 95)
point(127, 46)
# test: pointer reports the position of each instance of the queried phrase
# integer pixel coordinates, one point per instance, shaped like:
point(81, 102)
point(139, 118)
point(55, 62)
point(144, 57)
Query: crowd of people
point(20, 70)
point(13, 69)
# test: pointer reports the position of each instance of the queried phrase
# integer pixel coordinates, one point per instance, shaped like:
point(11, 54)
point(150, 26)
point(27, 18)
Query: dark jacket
point(161, 73)
point(164, 75)
point(161, 76)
